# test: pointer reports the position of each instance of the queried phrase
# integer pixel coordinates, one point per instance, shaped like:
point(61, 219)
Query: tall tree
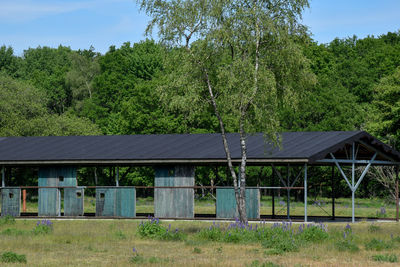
point(85, 67)
point(384, 113)
point(239, 56)
point(46, 68)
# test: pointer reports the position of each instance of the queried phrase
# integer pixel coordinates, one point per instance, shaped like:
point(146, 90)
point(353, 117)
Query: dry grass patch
point(111, 243)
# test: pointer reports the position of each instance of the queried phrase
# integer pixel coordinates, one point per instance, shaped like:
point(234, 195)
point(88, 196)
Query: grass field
point(111, 243)
point(321, 207)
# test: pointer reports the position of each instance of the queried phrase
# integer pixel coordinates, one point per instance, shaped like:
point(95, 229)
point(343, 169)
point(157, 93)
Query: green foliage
point(257, 263)
point(11, 257)
point(43, 227)
point(45, 68)
point(197, 250)
point(153, 229)
point(211, 234)
point(385, 258)
point(223, 58)
point(23, 113)
point(279, 239)
point(6, 220)
point(372, 228)
point(378, 245)
point(9, 63)
point(347, 242)
point(347, 245)
point(313, 234)
point(119, 235)
point(384, 115)
point(125, 100)
point(137, 259)
point(13, 232)
point(280, 244)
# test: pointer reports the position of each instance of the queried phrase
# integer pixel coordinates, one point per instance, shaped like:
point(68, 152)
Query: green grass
point(11, 257)
point(385, 258)
point(110, 243)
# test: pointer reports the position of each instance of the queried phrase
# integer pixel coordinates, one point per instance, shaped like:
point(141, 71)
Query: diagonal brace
point(341, 171)
point(297, 177)
point(362, 175)
point(365, 171)
point(279, 175)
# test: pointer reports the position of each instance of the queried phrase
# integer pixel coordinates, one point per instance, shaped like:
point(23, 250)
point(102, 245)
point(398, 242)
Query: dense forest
point(60, 91)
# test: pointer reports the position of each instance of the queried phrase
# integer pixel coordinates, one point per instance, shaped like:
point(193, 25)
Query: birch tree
point(240, 57)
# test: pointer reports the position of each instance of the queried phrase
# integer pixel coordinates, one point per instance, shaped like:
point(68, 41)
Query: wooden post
point(333, 192)
point(397, 193)
point(24, 200)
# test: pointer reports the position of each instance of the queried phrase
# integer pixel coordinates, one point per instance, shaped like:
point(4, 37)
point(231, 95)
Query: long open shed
point(174, 156)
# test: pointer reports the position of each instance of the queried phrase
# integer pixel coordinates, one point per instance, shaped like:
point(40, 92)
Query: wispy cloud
point(26, 10)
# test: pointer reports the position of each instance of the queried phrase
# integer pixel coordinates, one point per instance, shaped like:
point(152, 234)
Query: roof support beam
point(374, 149)
point(349, 161)
point(362, 175)
point(353, 187)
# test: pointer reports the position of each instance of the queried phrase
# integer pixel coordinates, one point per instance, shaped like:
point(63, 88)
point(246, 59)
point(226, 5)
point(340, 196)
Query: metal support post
point(273, 195)
point(333, 192)
point(117, 178)
point(305, 192)
point(3, 177)
point(353, 166)
point(288, 193)
point(397, 193)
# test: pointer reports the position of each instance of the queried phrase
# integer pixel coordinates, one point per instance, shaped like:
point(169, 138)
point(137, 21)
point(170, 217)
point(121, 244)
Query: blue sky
point(101, 23)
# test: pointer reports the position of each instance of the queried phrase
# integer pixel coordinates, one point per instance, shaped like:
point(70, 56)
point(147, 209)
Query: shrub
point(211, 234)
point(378, 245)
point(43, 227)
point(347, 243)
point(153, 229)
point(11, 257)
point(386, 258)
point(312, 233)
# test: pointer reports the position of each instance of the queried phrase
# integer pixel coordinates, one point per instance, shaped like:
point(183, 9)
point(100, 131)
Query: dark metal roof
point(296, 147)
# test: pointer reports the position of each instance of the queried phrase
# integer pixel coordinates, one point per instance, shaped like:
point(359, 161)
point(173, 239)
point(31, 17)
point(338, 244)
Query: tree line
point(353, 84)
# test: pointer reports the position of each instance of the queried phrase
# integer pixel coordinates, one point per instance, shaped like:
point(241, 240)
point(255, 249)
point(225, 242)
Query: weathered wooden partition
point(50, 198)
point(116, 202)
point(226, 203)
point(73, 201)
point(174, 203)
point(11, 202)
